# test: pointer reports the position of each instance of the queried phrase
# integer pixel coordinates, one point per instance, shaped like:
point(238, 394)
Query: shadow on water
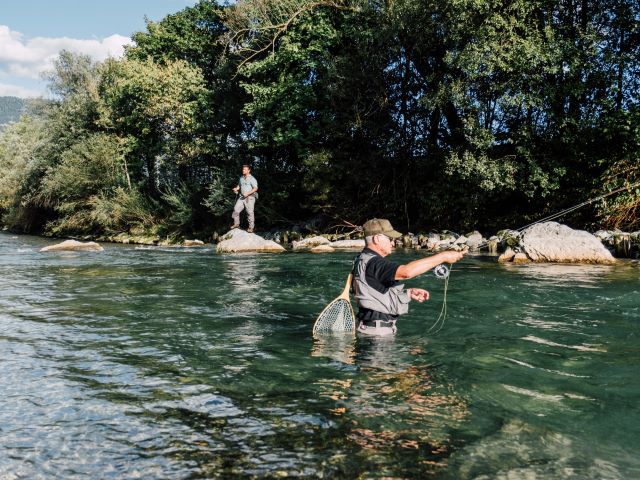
point(171, 363)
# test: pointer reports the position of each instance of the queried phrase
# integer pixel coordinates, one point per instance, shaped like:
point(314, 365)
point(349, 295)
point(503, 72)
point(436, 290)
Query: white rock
point(460, 240)
point(240, 241)
point(310, 242)
point(444, 243)
point(492, 244)
point(507, 256)
point(323, 249)
point(348, 244)
point(553, 242)
point(474, 240)
point(73, 246)
point(603, 235)
point(193, 243)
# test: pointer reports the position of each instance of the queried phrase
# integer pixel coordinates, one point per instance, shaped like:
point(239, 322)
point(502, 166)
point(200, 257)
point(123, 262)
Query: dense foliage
point(10, 110)
point(452, 114)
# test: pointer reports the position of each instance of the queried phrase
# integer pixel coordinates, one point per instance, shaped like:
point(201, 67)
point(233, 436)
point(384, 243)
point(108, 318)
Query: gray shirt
point(247, 184)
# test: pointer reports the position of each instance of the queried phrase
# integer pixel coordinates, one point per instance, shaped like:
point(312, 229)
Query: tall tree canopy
point(437, 114)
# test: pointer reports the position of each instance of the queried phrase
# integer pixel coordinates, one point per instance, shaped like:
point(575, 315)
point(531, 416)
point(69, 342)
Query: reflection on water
point(339, 347)
point(180, 363)
point(582, 347)
point(564, 274)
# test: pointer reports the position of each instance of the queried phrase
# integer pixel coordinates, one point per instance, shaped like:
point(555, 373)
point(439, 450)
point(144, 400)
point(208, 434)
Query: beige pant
point(247, 204)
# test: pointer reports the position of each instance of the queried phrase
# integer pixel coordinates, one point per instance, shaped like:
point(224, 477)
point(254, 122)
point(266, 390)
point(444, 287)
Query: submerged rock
point(73, 246)
point(240, 241)
point(553, 242)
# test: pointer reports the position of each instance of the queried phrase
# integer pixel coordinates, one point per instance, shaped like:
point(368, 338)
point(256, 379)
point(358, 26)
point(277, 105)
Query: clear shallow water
point(179, 363)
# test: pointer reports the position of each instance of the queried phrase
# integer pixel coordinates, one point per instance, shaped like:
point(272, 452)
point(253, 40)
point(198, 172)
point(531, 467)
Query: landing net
point(336, 317)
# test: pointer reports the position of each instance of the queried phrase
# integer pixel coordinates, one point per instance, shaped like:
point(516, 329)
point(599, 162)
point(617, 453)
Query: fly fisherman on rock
point(248, 188)
point(379, 295)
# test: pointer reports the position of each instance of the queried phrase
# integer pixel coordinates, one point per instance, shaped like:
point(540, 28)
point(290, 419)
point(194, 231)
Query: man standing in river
point(248, 192)
point(381, 298)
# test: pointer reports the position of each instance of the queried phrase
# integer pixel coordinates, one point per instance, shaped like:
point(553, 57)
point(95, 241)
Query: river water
point(145, 362)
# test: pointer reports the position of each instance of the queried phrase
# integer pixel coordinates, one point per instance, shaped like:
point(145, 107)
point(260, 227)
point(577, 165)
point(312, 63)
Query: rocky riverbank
point(512, 244)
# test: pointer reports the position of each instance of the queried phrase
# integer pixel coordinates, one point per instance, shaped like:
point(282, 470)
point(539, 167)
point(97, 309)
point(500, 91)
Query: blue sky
point(33, 31)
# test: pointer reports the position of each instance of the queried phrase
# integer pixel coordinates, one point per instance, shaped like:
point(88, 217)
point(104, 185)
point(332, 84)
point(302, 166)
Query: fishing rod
point(442, 271)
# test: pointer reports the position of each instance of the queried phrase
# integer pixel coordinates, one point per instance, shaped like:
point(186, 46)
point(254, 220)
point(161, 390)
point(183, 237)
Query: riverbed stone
point(507, 256)
point(521, 257)
point(193, 243)
point(322, 249)
point(474, 240)
point(348, 244)
point(508, 238)
point(238, 240)
point(310, 243)
point(432, 241)
point(73, 246)
point(492, 244)
point(603, 235)
point(554, 242)
point(621, 242)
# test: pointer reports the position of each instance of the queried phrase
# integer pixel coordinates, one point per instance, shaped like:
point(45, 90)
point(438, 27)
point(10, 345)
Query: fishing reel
point(441, 271)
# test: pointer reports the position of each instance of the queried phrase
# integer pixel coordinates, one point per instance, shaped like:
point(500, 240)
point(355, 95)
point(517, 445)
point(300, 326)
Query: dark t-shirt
point(379, 275)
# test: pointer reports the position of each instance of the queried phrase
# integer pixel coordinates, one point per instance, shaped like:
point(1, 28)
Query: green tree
point(21, 169)
point(153, 106)
point(437, 114)
point(90, 170)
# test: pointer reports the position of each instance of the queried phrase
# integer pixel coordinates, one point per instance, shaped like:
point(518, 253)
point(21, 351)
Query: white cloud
point(29, 58)
point(7, 90)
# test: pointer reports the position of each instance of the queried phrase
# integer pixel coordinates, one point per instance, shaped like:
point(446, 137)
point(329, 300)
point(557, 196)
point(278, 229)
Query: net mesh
point(336, 317)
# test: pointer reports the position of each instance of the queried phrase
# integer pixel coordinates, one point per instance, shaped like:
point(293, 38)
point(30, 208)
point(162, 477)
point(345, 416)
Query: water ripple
point(180, 363)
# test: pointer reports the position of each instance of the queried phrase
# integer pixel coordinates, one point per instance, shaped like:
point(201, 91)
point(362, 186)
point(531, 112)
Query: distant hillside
point(10, 109)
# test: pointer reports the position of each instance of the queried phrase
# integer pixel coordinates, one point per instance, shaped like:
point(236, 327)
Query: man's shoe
point(234, 226)
point(250, 230)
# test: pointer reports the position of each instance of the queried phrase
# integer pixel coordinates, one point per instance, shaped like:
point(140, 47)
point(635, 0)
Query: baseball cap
point(379, 225)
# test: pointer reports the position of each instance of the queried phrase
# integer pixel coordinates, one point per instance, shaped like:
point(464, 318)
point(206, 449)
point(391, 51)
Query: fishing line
point(570, 209)
point(443, 311)
point(443, 272)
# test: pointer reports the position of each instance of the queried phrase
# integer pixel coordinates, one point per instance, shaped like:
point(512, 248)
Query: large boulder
point(309, 243)
point(73, 246)
point(553, 242)
point(240, 241)
point(475, 240)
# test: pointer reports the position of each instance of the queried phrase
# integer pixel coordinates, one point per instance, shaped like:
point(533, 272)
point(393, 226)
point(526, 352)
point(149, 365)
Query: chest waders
point(389, 304)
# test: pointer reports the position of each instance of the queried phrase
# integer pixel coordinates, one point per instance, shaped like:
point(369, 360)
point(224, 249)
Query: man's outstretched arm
point(418, 267)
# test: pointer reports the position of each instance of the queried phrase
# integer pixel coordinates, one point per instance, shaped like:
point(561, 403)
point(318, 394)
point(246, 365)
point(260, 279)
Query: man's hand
point(451, 256)
point(235, 189)
point(418, 294)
